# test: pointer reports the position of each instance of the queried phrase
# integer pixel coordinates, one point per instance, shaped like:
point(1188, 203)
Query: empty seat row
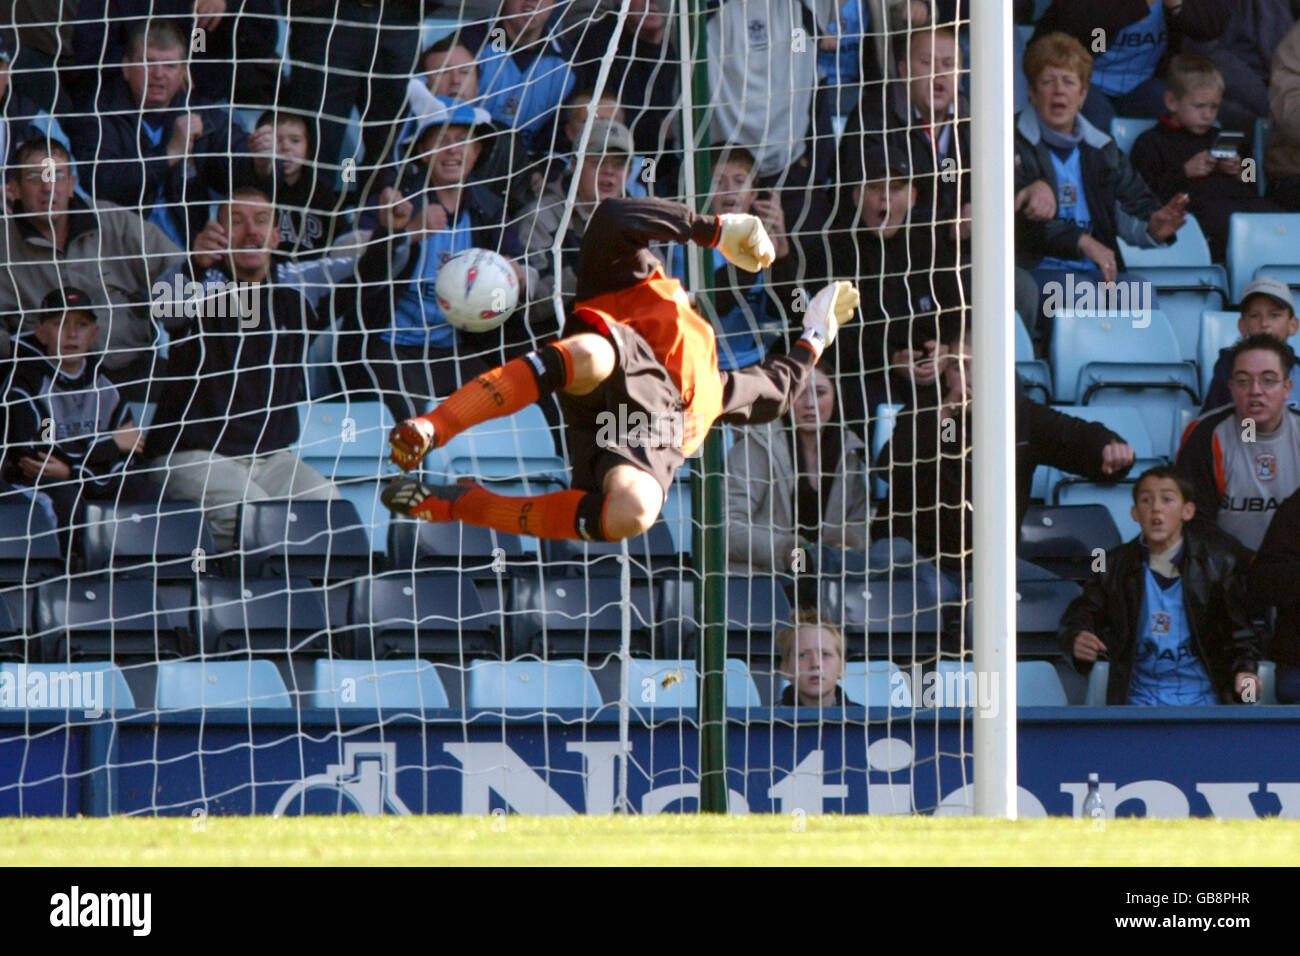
point(653, 686)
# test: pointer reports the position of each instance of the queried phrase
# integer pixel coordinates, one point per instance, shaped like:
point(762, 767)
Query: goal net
point(224, 231)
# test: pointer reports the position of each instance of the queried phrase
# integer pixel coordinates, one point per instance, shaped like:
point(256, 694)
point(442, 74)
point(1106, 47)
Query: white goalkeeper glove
point(829, 309)
point(744, 242)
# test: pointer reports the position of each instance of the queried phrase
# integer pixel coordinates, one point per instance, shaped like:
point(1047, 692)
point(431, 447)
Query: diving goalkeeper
point(632, 351)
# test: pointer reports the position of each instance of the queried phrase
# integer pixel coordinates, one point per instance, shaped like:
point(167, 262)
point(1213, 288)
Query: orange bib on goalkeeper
point(633, 351)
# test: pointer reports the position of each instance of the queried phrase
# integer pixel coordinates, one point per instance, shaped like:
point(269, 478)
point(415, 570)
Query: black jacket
point(1108, 181)
point(1214, 598)
point(930, 478)
point(1275, 580)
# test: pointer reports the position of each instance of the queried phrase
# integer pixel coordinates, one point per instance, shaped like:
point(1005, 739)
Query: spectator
point(798, 488)
point(154, 146)
point(1175, 157)
point(761, 89)
point(929, 463)
point(1168, 610)
point(812, 660)
point(524, 75)
point(307, 219)
point(642, 76)
point(233, 50)
point(844, 61)
point(906, 274)
point(1243, 53)
point(1244, 459)
point(1275, 581)
point(345, 54)
point(922, 116)
point(412, 354)
point(1282, 157)
point(1084, 171)
point(52, 239)
point(1138, 37)
point(602, 174)
point(741, 313)
point(69, 432)
point(1266, 309)
point(236, 377)
point(577, 107)
point(450, 70)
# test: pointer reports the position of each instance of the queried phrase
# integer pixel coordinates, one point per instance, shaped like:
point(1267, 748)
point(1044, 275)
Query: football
point(477, 290)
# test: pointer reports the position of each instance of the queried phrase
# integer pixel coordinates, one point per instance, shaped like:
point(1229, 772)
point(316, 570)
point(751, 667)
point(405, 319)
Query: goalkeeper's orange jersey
point(620, 281)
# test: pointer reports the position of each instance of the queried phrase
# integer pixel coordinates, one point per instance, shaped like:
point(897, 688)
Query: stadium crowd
point(217, 210)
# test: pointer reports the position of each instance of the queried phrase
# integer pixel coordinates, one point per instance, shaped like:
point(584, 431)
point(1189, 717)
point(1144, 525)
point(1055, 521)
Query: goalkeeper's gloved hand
point(411, 440)
point(744, 242)
point(829, 309)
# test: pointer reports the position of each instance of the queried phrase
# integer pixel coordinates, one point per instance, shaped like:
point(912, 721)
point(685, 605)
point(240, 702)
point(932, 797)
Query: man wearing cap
point(411, 353)
point(906, 275)
point(69, 432)
point(1266, 307)
point(602, 174)
point(52, 238)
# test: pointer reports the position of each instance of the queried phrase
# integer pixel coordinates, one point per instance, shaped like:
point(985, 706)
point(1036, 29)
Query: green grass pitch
point(666, 839)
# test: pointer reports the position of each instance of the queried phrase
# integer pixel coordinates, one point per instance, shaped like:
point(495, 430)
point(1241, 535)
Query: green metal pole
point(706, 475)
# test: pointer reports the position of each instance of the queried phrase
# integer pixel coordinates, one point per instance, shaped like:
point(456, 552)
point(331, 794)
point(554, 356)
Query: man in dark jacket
point(231, 414)
point(1275, 581)
point(156, 146)
point(929, 463)
point(1168, 609)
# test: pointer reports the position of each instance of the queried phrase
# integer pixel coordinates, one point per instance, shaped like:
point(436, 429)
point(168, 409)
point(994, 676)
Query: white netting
point(263, 610)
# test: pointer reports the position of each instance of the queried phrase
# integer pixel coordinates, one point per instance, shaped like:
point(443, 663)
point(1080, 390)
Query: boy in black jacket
point(1168, 609)
point(68, 431)
point(1175, 156)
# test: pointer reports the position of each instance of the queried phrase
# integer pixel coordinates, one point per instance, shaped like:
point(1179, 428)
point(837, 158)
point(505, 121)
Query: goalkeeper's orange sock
point(560, 514)
point(502, 391)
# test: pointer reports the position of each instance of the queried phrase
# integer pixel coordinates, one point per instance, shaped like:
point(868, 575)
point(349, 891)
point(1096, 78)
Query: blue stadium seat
point(1249, 233)
point(263, 615)
point(534, 685)
point(14, 623)
point(1189, 250)
point(756, 608)
point(1038, 685)
point(1267, 682)
point(193, 685)
point(113, 693)
point(1062, 539)
point(1218, 332)
point(1035, 375)
point(1116, 498)
point(648, 553)
point(676, 628)
point(676, 513)
point(875, 684)
point(29, 545)
point(516, 448)
point(741, 690)
point(565, 616)
point(156, 540)
point(884, 617)
point(1097, 677)
point(407, 684)
point(348, 442)
point(323, 540)
point(663, 685)
point(105, 617)
point(429, 614)
point(1184, 292)
point(1125, 130)
point(472, 550)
